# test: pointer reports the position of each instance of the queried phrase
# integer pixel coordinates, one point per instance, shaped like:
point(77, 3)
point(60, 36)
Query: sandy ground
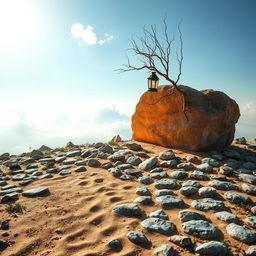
point(76, 219)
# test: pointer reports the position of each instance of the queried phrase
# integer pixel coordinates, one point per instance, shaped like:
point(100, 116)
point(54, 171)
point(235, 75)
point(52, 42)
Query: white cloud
point(87, 35)
point(25, 127)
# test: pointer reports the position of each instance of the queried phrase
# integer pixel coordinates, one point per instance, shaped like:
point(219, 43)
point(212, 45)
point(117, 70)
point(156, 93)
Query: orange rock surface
point(210, 123)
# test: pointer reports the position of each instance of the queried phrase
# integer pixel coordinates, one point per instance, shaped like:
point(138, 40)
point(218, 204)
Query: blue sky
point(57, 86)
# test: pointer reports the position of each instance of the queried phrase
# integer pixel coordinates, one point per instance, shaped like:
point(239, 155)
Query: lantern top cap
point(153, 76)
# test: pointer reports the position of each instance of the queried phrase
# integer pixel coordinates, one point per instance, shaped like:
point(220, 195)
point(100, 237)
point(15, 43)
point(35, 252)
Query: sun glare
point(19, 24)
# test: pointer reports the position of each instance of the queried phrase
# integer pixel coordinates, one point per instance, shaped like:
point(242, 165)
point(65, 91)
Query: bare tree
point(155, 55)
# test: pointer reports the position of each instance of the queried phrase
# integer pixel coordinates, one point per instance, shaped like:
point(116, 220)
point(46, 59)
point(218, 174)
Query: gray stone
point(169, 201)
point(46, 160)
point(251, 221)
point(188, 190)
point(128, 210)
point(244, 171)
point(94, 163)
point(179, 175)
point(205, 167)
point(106, 149)
point(249, 165)
point(233, 163)
point(37, 173)
point(192, 183)
point(73, 153)
point(192, 159)
point(146, 180)
point(206, 204)
point(86, 153)
point(159, 175)
point(226, 170)
point(237, 198)
point(163, 192)
point(117, 156)
point(248, 178)
point(70, 161)
point(26, 181)
point(9, 186)
point(126, 177)
point(212, 162)
point(186, 166)
point(80, 169)
point(30, 171)
point(182, 241)
point(166, 155)
point(212, 248)
point(222, 185)
point(46, 176)
point(52, 170)
point(64, 172)
point(159, 214)
point(165, 184)
point(37, 154)
point(125, 167)
point(18, 177)
point(207, 192)
point(80, 162)
point(138, 238)
point(241, 233)
point(231, 153)
point(158, 225)
point(147, 164)
point(190, 215)
point(3, 244)
point(60, 159)
point(253, 210)
point(37, 191)
point(198, 175)
point(227, 217)
point(133, 160)
point(218, 177)
point(133, 146)
point(145, 200)
point(168, 163)
point(250, 189)
point(115, 244)
point(9, 191)
point(9, 197)
point(3, 183)
point(133, 172)
point(251, 251)
point(201, 228)
point(143, 191)
point(107, 165)
point(164, 250)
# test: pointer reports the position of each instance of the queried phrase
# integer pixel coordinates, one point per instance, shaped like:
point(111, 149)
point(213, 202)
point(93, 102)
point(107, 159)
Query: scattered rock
point(188, 190)
point(138, 238)
point(222, 185)
point(226, 170)
point(179, 175)
point(192, 183)
point(38, 191)
point(170, 202)
point(133, 146)
point(182, 241)
point(247, 178)
point(143, 191)
point(145, 200)
point(212, 162)
point(158, 225)
point(146, 180)
point(206, 204)
point(165, 184)
point(64, 172)
point(163, 192)
point(251, 221)
point(115, 244)
point(164, 250)
point(227, 217)
point(212, 248)
point(159, 214)
point(128, 210)
point(147, 164)
point(251, 251)
point(241, 233)
point(205, 167)
point(189, 215)
point(186, 166)
point(166, 155)
point(250, 189)
point(94, 163)
point(133, 160)
point(198, 175)
point(207, 192)
point(3, 244)
point(201, 228)
point(237, 198)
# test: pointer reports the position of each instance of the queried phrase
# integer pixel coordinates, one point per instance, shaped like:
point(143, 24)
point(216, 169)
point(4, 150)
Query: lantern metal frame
point(153, 81)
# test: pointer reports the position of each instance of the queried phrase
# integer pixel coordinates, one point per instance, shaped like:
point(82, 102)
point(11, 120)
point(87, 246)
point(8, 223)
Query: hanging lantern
point(153, 82)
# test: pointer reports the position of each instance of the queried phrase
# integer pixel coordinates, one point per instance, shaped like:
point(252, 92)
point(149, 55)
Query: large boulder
point(209, 122)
